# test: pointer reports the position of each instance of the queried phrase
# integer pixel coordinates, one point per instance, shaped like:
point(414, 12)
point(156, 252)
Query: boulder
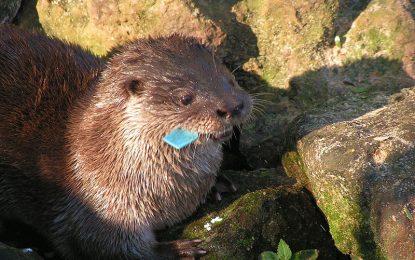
point(361, 173)
point(372, 60)
point(11, 253)
point(270, 39)
point(8, 10)
point(266, 208)
point(100, 25)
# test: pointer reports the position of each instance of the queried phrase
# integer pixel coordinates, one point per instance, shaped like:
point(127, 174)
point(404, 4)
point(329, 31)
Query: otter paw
point(188, 248)
point(183, 249)
point(223, 185)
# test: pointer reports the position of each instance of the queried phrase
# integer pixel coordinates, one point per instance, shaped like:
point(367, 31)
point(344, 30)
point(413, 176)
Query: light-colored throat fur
point(127, 175)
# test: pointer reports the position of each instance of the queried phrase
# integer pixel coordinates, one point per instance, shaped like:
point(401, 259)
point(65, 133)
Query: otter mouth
point(221, 136)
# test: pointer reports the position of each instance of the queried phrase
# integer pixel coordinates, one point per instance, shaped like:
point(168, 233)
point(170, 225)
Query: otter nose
point(230, 110)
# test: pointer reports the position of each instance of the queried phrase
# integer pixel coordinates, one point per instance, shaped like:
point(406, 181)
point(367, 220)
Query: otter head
point(177, 82)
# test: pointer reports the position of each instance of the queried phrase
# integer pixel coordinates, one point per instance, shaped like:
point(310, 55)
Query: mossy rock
point(360, 172)
point(99, 26)
point(11, 253)
point(265, 41)
point(266, 208)
point(374, 62)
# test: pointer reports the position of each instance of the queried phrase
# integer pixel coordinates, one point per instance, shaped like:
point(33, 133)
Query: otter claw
point(223, 185)
point(188, 248)
point(217, 195)
point(185, 249)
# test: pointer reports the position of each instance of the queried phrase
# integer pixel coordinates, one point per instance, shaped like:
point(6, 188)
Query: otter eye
point(186, 100)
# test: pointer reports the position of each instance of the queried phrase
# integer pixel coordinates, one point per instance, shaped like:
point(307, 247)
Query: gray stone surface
point(362, 174)
point(8, 10)
point(11, 253)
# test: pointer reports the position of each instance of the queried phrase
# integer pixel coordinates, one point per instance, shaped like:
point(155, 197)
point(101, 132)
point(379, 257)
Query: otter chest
point(185, 186)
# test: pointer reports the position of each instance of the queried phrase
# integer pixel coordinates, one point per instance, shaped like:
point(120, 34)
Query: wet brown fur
point(84, 139)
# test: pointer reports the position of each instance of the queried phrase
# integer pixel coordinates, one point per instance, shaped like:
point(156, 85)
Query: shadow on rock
point(266, 208)
point(242, 41)
point(387, 203)
point(334, 94)
point(361, 173)
point(349, 10)
point(28, 17)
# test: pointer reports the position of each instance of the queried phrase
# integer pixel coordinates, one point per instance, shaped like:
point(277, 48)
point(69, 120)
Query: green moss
point(288, 35)
point(310, 89)
point(246, 243)
point(371, 35)
point(342, 215)
point(294, 167)
point(100, 27)
point(377, 40)
point(251, 202)
point(254, 5)
point(349, 223)
point(196, 229)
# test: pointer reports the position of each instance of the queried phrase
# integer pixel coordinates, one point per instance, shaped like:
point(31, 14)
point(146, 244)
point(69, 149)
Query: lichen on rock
point(360, 172)
point(266, 208)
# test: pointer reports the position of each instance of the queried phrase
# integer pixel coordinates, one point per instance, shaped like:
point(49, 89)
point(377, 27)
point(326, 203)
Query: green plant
point(284, 253)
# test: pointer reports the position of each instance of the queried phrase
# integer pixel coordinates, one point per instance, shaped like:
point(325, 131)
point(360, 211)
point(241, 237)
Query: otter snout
point(230, 110)
point(235, 106)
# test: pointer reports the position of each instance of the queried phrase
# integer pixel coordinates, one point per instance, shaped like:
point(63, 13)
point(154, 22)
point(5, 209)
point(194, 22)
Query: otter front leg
point(180, 249)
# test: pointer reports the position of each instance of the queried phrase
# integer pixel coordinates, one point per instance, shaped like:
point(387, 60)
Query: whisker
point(262, 101)
point(259, 105)
point(258, 111)
point(262, 94)
point(235, 69)
point(251, 118)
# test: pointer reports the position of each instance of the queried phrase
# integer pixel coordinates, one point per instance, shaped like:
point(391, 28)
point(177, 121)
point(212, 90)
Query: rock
point(28, 17)
point(376, 56)
point(8, 10)
point(361, 174)
point(99, 25)
point(374, 61)
point(267, 43)
point(273, 40)
point(263, 141)
point(11, 253)
point(372, 36)
point(266, 208)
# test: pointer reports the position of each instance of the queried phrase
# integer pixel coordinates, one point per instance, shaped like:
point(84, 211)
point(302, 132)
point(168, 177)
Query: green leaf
point(358, 90)
point(268, 255)
point(284, 251)
point(309, 254)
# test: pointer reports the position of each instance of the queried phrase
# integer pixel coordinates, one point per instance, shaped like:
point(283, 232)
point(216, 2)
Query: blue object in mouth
point(179, 138)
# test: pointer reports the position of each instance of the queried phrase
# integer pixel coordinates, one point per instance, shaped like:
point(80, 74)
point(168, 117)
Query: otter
point(82, 156)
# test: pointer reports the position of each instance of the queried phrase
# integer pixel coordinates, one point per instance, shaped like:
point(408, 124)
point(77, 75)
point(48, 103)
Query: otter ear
point(134, 86)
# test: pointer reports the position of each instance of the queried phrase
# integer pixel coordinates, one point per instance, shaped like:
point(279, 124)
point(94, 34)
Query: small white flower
point(207, 226)
point(217, 219)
